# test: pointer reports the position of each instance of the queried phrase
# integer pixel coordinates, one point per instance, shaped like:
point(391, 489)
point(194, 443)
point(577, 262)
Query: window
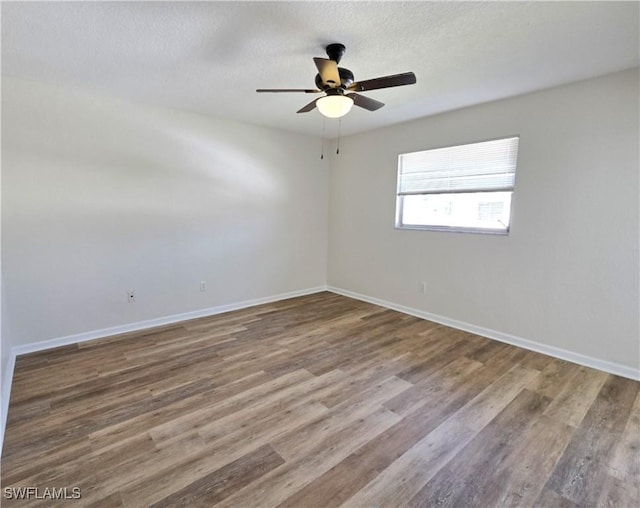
point(458, 188)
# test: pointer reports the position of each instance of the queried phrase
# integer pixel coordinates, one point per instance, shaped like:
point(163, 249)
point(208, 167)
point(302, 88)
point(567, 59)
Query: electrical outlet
point(131, 296)
point(423, 287)
point(203, 285)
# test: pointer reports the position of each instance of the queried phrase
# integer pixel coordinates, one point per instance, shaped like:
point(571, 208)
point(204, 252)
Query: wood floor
point(319, 401)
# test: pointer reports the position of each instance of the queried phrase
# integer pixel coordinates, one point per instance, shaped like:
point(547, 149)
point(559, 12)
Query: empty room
point(320, 254)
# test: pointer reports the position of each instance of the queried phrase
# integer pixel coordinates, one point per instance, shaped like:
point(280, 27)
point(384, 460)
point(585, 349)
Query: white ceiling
point(209, 57)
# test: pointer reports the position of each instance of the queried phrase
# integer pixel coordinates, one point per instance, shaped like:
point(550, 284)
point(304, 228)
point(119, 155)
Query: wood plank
point(28, 466)
point(439, 385)
point(216, 486)
point(481, 457)
point(549, 498)
point(119, 433)
point(342, 481)
point(281, 402)
point(111, 501)
point(577, 473)
point(573, 402)
point(302, 469)
point(625, 462)
point(519, 479)
point(622, 484)
point(616, 492)
point(199, 418)
point(554, 377)
point(299, 443)
point(399, 482)
point(176, 470)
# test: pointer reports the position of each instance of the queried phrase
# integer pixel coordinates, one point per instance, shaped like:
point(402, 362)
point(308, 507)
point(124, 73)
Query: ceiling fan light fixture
point(334, 106)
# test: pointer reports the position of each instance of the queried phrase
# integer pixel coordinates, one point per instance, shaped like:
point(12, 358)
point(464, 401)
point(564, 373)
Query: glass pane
point(484, 210)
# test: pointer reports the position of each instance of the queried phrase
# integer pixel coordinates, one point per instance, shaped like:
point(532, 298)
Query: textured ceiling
point(209, 57)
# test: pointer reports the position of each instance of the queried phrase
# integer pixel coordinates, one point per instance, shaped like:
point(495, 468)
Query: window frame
point(454, 229)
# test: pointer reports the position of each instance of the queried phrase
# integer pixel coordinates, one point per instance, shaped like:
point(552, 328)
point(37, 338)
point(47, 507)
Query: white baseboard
point(117, 330)
point(7, 378)
point(562, 354)
point(152, 323)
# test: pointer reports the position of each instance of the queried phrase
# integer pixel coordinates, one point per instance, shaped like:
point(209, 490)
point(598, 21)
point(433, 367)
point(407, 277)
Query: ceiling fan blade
point(281, 90)
point(328, 70)
point(309, 107)
point(406, 78)
point(365, 102)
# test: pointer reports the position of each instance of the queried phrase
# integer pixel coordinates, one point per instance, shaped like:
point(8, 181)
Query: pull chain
point(324, 123)
point(339, 131)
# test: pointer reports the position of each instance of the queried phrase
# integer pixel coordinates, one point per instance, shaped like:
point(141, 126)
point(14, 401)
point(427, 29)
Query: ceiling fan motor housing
point(346, 78)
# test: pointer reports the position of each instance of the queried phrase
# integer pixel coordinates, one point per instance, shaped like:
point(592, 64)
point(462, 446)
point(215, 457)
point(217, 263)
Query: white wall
point(101, 196)
point(566, 276)
point(6, 365)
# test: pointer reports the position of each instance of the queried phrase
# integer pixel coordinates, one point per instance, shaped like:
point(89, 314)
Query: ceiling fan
point(339, 86)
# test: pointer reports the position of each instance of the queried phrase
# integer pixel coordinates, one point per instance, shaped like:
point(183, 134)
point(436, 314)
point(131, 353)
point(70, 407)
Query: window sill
point(450, 229)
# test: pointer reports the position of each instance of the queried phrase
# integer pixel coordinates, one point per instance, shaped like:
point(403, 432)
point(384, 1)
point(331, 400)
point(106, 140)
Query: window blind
point(475, 167)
